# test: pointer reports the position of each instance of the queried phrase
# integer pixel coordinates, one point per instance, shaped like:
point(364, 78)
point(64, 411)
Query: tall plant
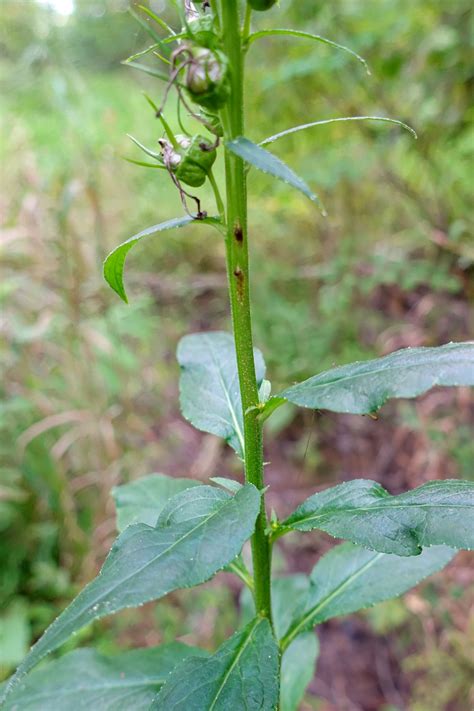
point(176, 533)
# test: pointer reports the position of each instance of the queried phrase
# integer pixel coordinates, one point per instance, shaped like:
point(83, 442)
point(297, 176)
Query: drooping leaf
point(199, 531)
point(242, 674)
point(307, 35)
point(265, 161)
point(209, 385)
point(362, 511)
point(298, 666)
point(342, 119)
point(351, 578)
point(142, 500)
point(86, 679)
point(299, 659)
point(115, 261)
point(363, 387)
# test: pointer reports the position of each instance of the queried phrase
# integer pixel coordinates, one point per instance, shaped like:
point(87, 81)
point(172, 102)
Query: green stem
point(238, 277)
point(217, 195)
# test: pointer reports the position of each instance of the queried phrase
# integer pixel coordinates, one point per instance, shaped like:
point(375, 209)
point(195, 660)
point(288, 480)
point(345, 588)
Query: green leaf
point(146, 70)
point(363, 387)
point(229, 484)
point(304, 126)
point(164, 25)
point(142, 500)
point(115, 262)
point(351, 578)
point(209, 385)
point(298, 666)
point(86, 679)
point(153, 154)
point(257, 156)
point(242, 674)
point(299, 659)
point(307, 35)
point(142, 53)
point(362, 511)
point(199, 531)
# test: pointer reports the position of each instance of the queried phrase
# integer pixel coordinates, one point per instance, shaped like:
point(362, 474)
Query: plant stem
point(238, 277)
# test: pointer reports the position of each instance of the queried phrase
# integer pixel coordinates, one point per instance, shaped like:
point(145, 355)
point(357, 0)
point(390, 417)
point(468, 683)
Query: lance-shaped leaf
point(147, 70)
point(362, 511)
point(351, 578)
point(242, 674)
point(209, 385)
point(340, 119)
point(363, 387)
point(142, 500)
point(299, 659)
point(198, 532)
point(309, 36)
point(265, 161)
point(115, 261)
point(86, 679)
point(298, 666)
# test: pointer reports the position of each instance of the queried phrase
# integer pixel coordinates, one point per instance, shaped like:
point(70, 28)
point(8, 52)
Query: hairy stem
point(238, 277)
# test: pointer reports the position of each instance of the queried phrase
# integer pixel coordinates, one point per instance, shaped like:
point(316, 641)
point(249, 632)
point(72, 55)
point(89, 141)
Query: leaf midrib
point(229, 671)
point(137, 572)
point(369, 509)
point(229, 402)
point(366, 374)
point(119, 686)
point(294, 631)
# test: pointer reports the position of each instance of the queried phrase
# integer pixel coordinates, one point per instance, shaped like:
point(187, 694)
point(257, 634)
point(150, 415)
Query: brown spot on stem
point(238, 234)
point(239, 275)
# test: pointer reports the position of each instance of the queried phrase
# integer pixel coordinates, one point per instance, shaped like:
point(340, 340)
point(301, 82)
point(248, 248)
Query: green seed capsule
point(212, 122)
point(261, 4)
point(202, 31)
point(196, 159)
point(207, 78)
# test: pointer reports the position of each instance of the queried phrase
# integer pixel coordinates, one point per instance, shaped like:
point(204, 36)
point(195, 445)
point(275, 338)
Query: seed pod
point(202, 31)
point(207, 78)
point(261, 4)
point(212, 122)
point(196, 158)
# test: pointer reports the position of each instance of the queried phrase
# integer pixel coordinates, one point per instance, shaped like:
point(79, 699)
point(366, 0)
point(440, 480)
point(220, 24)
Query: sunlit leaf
point(351, 578)
point(362, 511)
point(142, 500)
point(199, 531)
point(261, 159)
point(209, 385)
point(242, 674)
point(86, 679)
point(115, 261)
